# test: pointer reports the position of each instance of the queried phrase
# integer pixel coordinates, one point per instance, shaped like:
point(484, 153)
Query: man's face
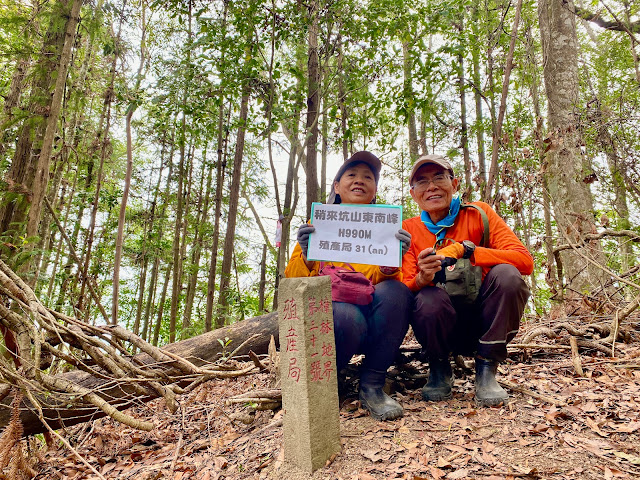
point(433, 190)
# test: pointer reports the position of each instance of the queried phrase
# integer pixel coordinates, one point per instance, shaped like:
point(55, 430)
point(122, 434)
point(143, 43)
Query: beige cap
point(365, 157)
point(435, 159)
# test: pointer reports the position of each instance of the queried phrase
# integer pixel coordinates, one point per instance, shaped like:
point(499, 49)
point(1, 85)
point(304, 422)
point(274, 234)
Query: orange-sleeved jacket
point(504, 246)
point(297, 268)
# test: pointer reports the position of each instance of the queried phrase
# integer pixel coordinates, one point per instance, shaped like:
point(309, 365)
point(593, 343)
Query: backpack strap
point(485, 223)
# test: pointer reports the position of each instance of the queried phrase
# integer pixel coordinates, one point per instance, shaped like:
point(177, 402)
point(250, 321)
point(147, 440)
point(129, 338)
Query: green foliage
point(384, 63)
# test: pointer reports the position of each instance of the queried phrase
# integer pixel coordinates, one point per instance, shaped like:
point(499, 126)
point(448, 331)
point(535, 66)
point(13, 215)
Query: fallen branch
point(108, 379)
point(531, 393)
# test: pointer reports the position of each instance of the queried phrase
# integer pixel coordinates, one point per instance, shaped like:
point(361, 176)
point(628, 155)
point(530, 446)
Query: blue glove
point(303, 237)
point(405, 238)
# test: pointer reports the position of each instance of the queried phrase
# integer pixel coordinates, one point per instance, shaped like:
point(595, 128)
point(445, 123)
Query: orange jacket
point(297, 268)
point(504, 246)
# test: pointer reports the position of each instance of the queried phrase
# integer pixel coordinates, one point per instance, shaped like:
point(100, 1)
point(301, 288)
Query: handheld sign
point(356, 234)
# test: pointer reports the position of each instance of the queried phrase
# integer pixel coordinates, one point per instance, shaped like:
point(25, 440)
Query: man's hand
point(405, 238)
point(303, 237)
point(455, 250)
point(429, 263)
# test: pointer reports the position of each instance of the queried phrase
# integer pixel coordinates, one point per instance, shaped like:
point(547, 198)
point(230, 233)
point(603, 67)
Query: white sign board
point(356, 234)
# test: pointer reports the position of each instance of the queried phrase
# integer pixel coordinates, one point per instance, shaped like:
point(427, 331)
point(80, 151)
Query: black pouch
point(462, 281)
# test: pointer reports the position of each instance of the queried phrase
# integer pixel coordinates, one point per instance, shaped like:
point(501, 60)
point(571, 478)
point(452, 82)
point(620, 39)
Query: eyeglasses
point(439, 180)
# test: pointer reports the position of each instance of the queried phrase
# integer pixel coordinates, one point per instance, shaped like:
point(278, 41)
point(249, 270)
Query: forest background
point(148, 149)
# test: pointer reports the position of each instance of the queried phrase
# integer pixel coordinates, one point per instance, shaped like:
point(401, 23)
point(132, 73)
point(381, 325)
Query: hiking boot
point(438, 387)
point(488, 392)
point(380, 405)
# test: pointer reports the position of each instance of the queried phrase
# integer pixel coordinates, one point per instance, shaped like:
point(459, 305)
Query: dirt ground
point(562, 426)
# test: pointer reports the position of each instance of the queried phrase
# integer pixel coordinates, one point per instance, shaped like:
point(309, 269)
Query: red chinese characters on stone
point(290, 310)
point(294, 370)
point(326, 327)
point(320, 370)
point(322, 305)
point(292, 340)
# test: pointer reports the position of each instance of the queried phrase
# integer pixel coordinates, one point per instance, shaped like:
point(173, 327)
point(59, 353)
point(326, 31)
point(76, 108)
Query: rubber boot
point(438, 387)
point(380, 405)
point(488, 391)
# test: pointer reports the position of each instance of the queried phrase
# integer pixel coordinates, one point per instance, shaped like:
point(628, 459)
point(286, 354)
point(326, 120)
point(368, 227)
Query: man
point(441, 324)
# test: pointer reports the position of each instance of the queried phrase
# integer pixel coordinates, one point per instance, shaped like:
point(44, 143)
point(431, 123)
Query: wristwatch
point(469, 248)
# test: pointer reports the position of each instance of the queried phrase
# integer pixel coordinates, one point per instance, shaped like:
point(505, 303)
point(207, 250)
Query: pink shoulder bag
point(348, 286)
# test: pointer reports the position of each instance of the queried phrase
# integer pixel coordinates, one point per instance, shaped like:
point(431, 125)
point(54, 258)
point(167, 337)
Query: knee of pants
point(432, 302)
point(349, 322)
point(507, 279)
point(393, 292)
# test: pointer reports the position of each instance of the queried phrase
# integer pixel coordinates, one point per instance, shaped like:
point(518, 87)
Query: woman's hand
point(303, 237)
point(405, 238)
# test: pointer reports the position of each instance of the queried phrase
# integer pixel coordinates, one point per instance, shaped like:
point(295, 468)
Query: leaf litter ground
point(593, 431)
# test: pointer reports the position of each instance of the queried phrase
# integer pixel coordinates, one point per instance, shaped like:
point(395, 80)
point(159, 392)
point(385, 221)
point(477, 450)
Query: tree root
point(102, 351)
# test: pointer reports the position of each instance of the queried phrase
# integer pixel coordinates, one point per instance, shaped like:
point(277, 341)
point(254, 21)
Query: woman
point(377, 329)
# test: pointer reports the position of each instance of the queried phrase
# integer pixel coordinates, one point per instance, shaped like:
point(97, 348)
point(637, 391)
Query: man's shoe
point(380, 405)
point(488, 392)
point(438, 387)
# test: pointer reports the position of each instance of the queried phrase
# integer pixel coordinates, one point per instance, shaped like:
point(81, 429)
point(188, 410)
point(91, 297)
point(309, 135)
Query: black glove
point(303, 237)
point(405, 238)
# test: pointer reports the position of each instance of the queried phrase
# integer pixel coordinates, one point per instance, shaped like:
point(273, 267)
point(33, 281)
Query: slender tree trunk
point(234, 196)
point(479, 122)
point(464, 129)
point(342, 104)
point(220, 167)
point(202, 208)
point(409, 101)
point(158, 247)
point(12, 101)
point(497, 132)
point(163, 298)
point(59, 250)
point(127, 180)
point(313, 102)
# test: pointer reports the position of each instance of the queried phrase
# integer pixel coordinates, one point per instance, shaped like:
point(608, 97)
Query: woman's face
point(356, 185)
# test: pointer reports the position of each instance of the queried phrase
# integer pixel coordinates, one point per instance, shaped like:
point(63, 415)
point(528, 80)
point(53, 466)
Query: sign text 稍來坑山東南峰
point(356, 234)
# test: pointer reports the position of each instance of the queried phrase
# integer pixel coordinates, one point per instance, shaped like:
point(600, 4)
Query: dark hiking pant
point(376, 330)
point(483, 328)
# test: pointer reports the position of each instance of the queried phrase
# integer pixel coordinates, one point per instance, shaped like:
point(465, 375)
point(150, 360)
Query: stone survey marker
point(308, 373)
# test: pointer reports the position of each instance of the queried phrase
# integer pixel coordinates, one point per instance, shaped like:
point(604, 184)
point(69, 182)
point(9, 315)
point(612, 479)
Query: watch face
point(469, 248)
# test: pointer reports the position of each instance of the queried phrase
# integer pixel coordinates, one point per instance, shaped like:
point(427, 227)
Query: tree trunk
point(479, 122)
point(202, 209)
point(464, 129)
point(234, 197)
point(163, 298)
point(29, 172)
point(342, 104)
point(409, 101)
point(220, 167)
point(571, 197)
point(313, 102)
point(497, 132)
point(41, 179)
